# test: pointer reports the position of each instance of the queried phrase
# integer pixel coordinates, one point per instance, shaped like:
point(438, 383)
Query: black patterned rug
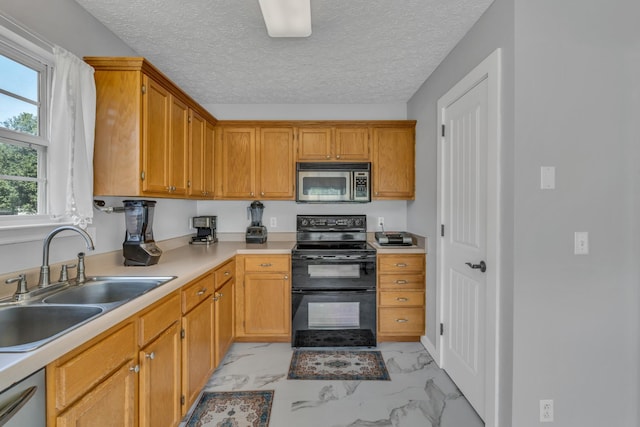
point(337, 365)
point(232, 408)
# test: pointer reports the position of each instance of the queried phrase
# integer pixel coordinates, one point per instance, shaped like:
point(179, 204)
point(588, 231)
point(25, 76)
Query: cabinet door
point(224, 299)
point(178, 147)
point(267, 304)
point(314, 144)
point(394, 163)
point(197, 156)
point(110, 404)
point(208, 164)
point(156, 107)
point(276, 174)
point(197, 350)
point(352, 144)
point(160, 387)
point(238, 163)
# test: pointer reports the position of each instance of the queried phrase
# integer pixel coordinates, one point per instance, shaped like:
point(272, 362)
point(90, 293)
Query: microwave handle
point(352, 196)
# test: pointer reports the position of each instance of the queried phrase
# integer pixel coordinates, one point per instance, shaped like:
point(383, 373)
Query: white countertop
point(185, 261)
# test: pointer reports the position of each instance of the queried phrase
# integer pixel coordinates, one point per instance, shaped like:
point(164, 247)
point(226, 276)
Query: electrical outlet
point(380, 221)
point(273, 222)
point(546, 411)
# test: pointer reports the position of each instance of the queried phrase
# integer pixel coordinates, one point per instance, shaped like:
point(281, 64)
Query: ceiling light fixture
point(287, 18)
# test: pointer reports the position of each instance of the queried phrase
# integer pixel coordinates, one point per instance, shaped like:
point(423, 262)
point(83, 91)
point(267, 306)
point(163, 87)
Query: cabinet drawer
point(401, 281)
point(401, 321)
point(267, 263)
point(196, 292)
point(224, 273)
point(75, 376)
point(409, 263)
point(159, 318)
point(402, 299)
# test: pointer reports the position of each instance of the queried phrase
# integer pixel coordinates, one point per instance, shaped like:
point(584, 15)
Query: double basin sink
point(28, 325)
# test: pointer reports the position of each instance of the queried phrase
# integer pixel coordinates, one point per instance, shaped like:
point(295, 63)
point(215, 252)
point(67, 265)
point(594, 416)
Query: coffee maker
point(256, 232)
point(139, 248)
point(206, 226)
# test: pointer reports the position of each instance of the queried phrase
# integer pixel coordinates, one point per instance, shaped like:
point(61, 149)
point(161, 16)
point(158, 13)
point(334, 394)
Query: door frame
point(489, 69)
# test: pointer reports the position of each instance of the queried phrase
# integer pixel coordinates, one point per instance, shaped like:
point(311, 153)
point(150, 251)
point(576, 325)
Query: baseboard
point(431, 349)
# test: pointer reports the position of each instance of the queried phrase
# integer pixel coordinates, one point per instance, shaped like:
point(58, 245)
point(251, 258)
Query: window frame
point(28, 49)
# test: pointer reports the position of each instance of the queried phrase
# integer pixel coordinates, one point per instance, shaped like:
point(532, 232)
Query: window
point(24, 100)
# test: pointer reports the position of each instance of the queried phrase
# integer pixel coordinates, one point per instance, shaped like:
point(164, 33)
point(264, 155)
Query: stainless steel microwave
point(333, 182)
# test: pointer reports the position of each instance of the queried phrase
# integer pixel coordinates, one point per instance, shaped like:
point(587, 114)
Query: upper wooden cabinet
point(201, 158)
point(142, 141)
point(333, 144)
point(255, 162)
point(393, 164)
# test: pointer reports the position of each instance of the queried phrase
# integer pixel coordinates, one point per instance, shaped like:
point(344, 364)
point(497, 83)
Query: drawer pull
point(135, 369)
point(151, 355)
point(266, 264)
point(226, 273)
point(402, 320)
point(401, 282)
point(401, 264)
point(202, 291)
point(217, 296)
point(402, 299)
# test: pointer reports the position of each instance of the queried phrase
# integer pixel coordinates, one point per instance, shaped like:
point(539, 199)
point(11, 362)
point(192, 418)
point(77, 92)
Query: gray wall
point(571, 99)
point(575, 317)
point(493, 30)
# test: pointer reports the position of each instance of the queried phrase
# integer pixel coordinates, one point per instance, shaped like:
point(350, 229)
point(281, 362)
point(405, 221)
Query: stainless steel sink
point(53, 311)
point(26, 327)
point(106, 290)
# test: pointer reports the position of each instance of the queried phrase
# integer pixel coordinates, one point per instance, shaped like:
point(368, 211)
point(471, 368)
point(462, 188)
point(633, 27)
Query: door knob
point(482, 266)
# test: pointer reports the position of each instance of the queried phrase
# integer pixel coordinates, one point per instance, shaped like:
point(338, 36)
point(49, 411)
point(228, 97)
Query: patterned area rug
point(232, 409)
point(337, 365)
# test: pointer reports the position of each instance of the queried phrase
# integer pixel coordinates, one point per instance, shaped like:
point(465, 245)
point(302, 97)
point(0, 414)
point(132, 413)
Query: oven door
point(333, 318)
point(333, 272)
point(324, 186)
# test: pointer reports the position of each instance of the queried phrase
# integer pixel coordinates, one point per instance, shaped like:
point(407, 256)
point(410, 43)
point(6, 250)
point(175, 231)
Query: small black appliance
point(139, 248)
point(256, 232)
point(206, 226)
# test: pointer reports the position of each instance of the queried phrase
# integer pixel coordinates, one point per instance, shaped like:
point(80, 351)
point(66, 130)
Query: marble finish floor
point(419, 393)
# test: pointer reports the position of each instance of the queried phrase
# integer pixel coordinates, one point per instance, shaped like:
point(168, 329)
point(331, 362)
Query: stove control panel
point(331, 222)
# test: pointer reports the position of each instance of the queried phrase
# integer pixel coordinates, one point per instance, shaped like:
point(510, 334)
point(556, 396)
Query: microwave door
point(324, 186)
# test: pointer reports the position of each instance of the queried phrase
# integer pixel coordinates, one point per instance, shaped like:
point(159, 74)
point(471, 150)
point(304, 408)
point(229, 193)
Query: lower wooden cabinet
point(401, 297)
point(198, 337)
point(160, 386)
point(263, 298)
point(224, 299)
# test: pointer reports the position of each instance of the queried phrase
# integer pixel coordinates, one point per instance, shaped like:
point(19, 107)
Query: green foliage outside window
point(19, 196)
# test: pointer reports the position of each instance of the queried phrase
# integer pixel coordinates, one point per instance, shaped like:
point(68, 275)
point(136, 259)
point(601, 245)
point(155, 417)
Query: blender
point(256, 232)
point(139, 248)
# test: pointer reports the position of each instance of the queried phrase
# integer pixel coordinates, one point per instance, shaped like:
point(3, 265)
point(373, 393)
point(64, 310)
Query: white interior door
point(464, 243)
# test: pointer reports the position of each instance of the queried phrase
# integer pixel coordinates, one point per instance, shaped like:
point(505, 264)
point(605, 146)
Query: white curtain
point(70, 155)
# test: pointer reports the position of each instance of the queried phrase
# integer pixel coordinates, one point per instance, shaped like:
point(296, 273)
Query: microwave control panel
point(361, 185)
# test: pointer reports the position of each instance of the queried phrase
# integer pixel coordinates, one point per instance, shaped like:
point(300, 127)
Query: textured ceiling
point(360, 51)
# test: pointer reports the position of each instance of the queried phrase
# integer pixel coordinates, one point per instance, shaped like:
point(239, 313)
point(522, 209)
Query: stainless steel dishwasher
point(23, 404)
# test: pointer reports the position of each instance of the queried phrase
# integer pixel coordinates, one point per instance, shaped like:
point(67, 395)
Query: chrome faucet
point(44, 269)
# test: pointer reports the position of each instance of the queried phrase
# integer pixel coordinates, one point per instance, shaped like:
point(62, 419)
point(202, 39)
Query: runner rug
point(337, 365)
point(232, 408)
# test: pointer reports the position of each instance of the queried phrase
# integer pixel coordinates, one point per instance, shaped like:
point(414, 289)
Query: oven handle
point(316, 291)
point(335, 257)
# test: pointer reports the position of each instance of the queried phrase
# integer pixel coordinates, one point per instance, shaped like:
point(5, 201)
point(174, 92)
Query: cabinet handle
point(402, 320)
point(202, 291)
point(217, 296)
point(265, 264)
point(189, 184)
point(226, 273)
point(204, 193)
point(401, 265)
point(251, 194)
point(151, 355)
point(286, 277)
point(262, 193)
point(135, 369)
point(401, 282)
point(402, 299)
point(338, 156)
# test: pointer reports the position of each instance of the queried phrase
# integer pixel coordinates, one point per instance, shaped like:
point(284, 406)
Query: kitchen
point(529, 145)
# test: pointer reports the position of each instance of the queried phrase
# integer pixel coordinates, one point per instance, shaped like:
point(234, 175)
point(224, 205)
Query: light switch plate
point(581, 243)
point(547, 177)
